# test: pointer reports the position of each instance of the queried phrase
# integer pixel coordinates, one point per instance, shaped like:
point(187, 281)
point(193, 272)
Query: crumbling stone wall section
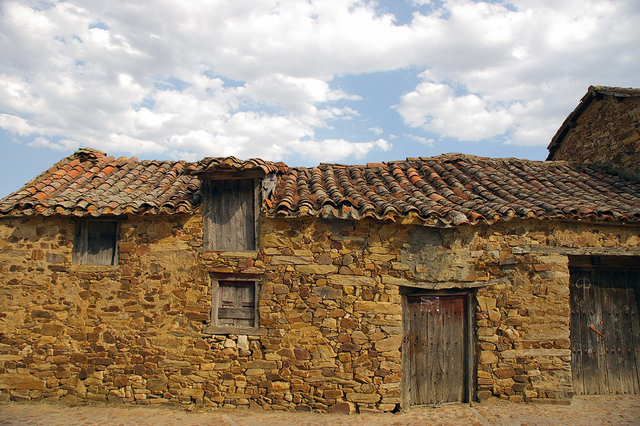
point(330, 311)
point(606, 133)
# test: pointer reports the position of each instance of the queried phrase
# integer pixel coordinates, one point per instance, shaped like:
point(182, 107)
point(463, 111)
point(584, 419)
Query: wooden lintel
point(446, 285)
point(235, 174)
point(226, 330)
point(577, 251)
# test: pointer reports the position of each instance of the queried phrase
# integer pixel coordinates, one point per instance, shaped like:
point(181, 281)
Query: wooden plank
point(634, 305)
point(576, 299)
point(583, 251)
point(80, 244)
point(434, 358)
point(452, 382)
point(447, 374)
point(246, 300)
point(416, 348)
point(236, 313)
point(605, 262)
point(597, 342)
point(405, 383)
point(471, 375)
point(624, 298)
point(229, 215)
point(589, 317)
point(611, 342)
point(246, 297)
point(257, 205)
point(458, 348)
point(227, 295)
point(232, 175)
point(422, 374)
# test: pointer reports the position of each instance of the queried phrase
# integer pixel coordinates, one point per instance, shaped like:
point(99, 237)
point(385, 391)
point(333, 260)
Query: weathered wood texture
point(605, 339)
point(230, 214)
point(437, 348)
point(233, 303)
point(95, 242)
point(237, 303)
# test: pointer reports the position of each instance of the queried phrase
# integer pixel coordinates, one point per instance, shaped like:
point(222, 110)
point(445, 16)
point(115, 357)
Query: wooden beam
point(577, 251)
point(236, 174)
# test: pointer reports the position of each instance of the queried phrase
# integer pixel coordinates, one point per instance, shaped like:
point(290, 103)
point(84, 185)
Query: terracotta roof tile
point(451, 189)
point(227, 164)
point(455, 189)
point(91, 183)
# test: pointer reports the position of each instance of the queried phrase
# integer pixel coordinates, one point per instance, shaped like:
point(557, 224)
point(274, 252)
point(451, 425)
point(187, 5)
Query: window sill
point(105, 269)
point(226, 330)
point(94, 268)
point(248, 254)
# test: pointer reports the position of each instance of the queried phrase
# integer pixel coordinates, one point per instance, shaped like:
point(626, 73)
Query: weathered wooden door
point(605, 331)
point(437, 349)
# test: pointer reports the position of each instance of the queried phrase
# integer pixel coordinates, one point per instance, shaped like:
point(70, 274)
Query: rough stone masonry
point(330, 311)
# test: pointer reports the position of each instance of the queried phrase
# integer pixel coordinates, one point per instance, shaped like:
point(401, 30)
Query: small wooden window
point(95, 242)
point(234, 305)
point(230, 208)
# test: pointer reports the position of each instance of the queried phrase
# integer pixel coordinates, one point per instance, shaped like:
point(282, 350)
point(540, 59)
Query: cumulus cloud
point(333, 150)
point(251, 78)
point(61, 145)
point(421, 139)
point(515, 70)
point(436, 108)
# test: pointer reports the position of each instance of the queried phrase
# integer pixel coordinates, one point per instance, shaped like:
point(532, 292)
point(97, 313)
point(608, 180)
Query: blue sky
point(304, 82)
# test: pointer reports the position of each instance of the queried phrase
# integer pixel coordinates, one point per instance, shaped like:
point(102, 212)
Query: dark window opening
point(95, 243)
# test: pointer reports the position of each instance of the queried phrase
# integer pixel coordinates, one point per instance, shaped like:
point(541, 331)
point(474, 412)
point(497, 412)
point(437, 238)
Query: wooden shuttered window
point(95, 242)
point(230, 208)
point(237, 303)
point(234, 305)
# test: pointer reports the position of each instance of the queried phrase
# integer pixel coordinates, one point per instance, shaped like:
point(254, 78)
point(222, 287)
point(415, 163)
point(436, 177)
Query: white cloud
point(61, 145)
point(335, 149)
point(515, 72)
point(421, 139)
point(434, 107)
point(254, 77)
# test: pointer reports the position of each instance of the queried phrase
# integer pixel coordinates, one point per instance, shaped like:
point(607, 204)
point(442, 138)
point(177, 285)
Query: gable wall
point(607, 132)
point(330, 311)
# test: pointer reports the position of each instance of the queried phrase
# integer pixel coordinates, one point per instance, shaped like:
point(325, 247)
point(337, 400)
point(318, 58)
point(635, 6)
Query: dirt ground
point(583, 410)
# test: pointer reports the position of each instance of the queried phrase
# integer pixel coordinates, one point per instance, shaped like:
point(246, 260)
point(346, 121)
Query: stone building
point(334, 288)
point(604, 129)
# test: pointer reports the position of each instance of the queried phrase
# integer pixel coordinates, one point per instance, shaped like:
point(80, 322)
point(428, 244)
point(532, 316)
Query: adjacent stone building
point(334, 288)
point(604, 129)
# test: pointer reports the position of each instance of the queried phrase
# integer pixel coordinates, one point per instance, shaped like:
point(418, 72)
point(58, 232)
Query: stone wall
point(606, 133)
point(330, 309)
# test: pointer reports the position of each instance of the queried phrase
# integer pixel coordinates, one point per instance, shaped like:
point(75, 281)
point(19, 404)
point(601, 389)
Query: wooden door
point(605, 339)
point(436, 348)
